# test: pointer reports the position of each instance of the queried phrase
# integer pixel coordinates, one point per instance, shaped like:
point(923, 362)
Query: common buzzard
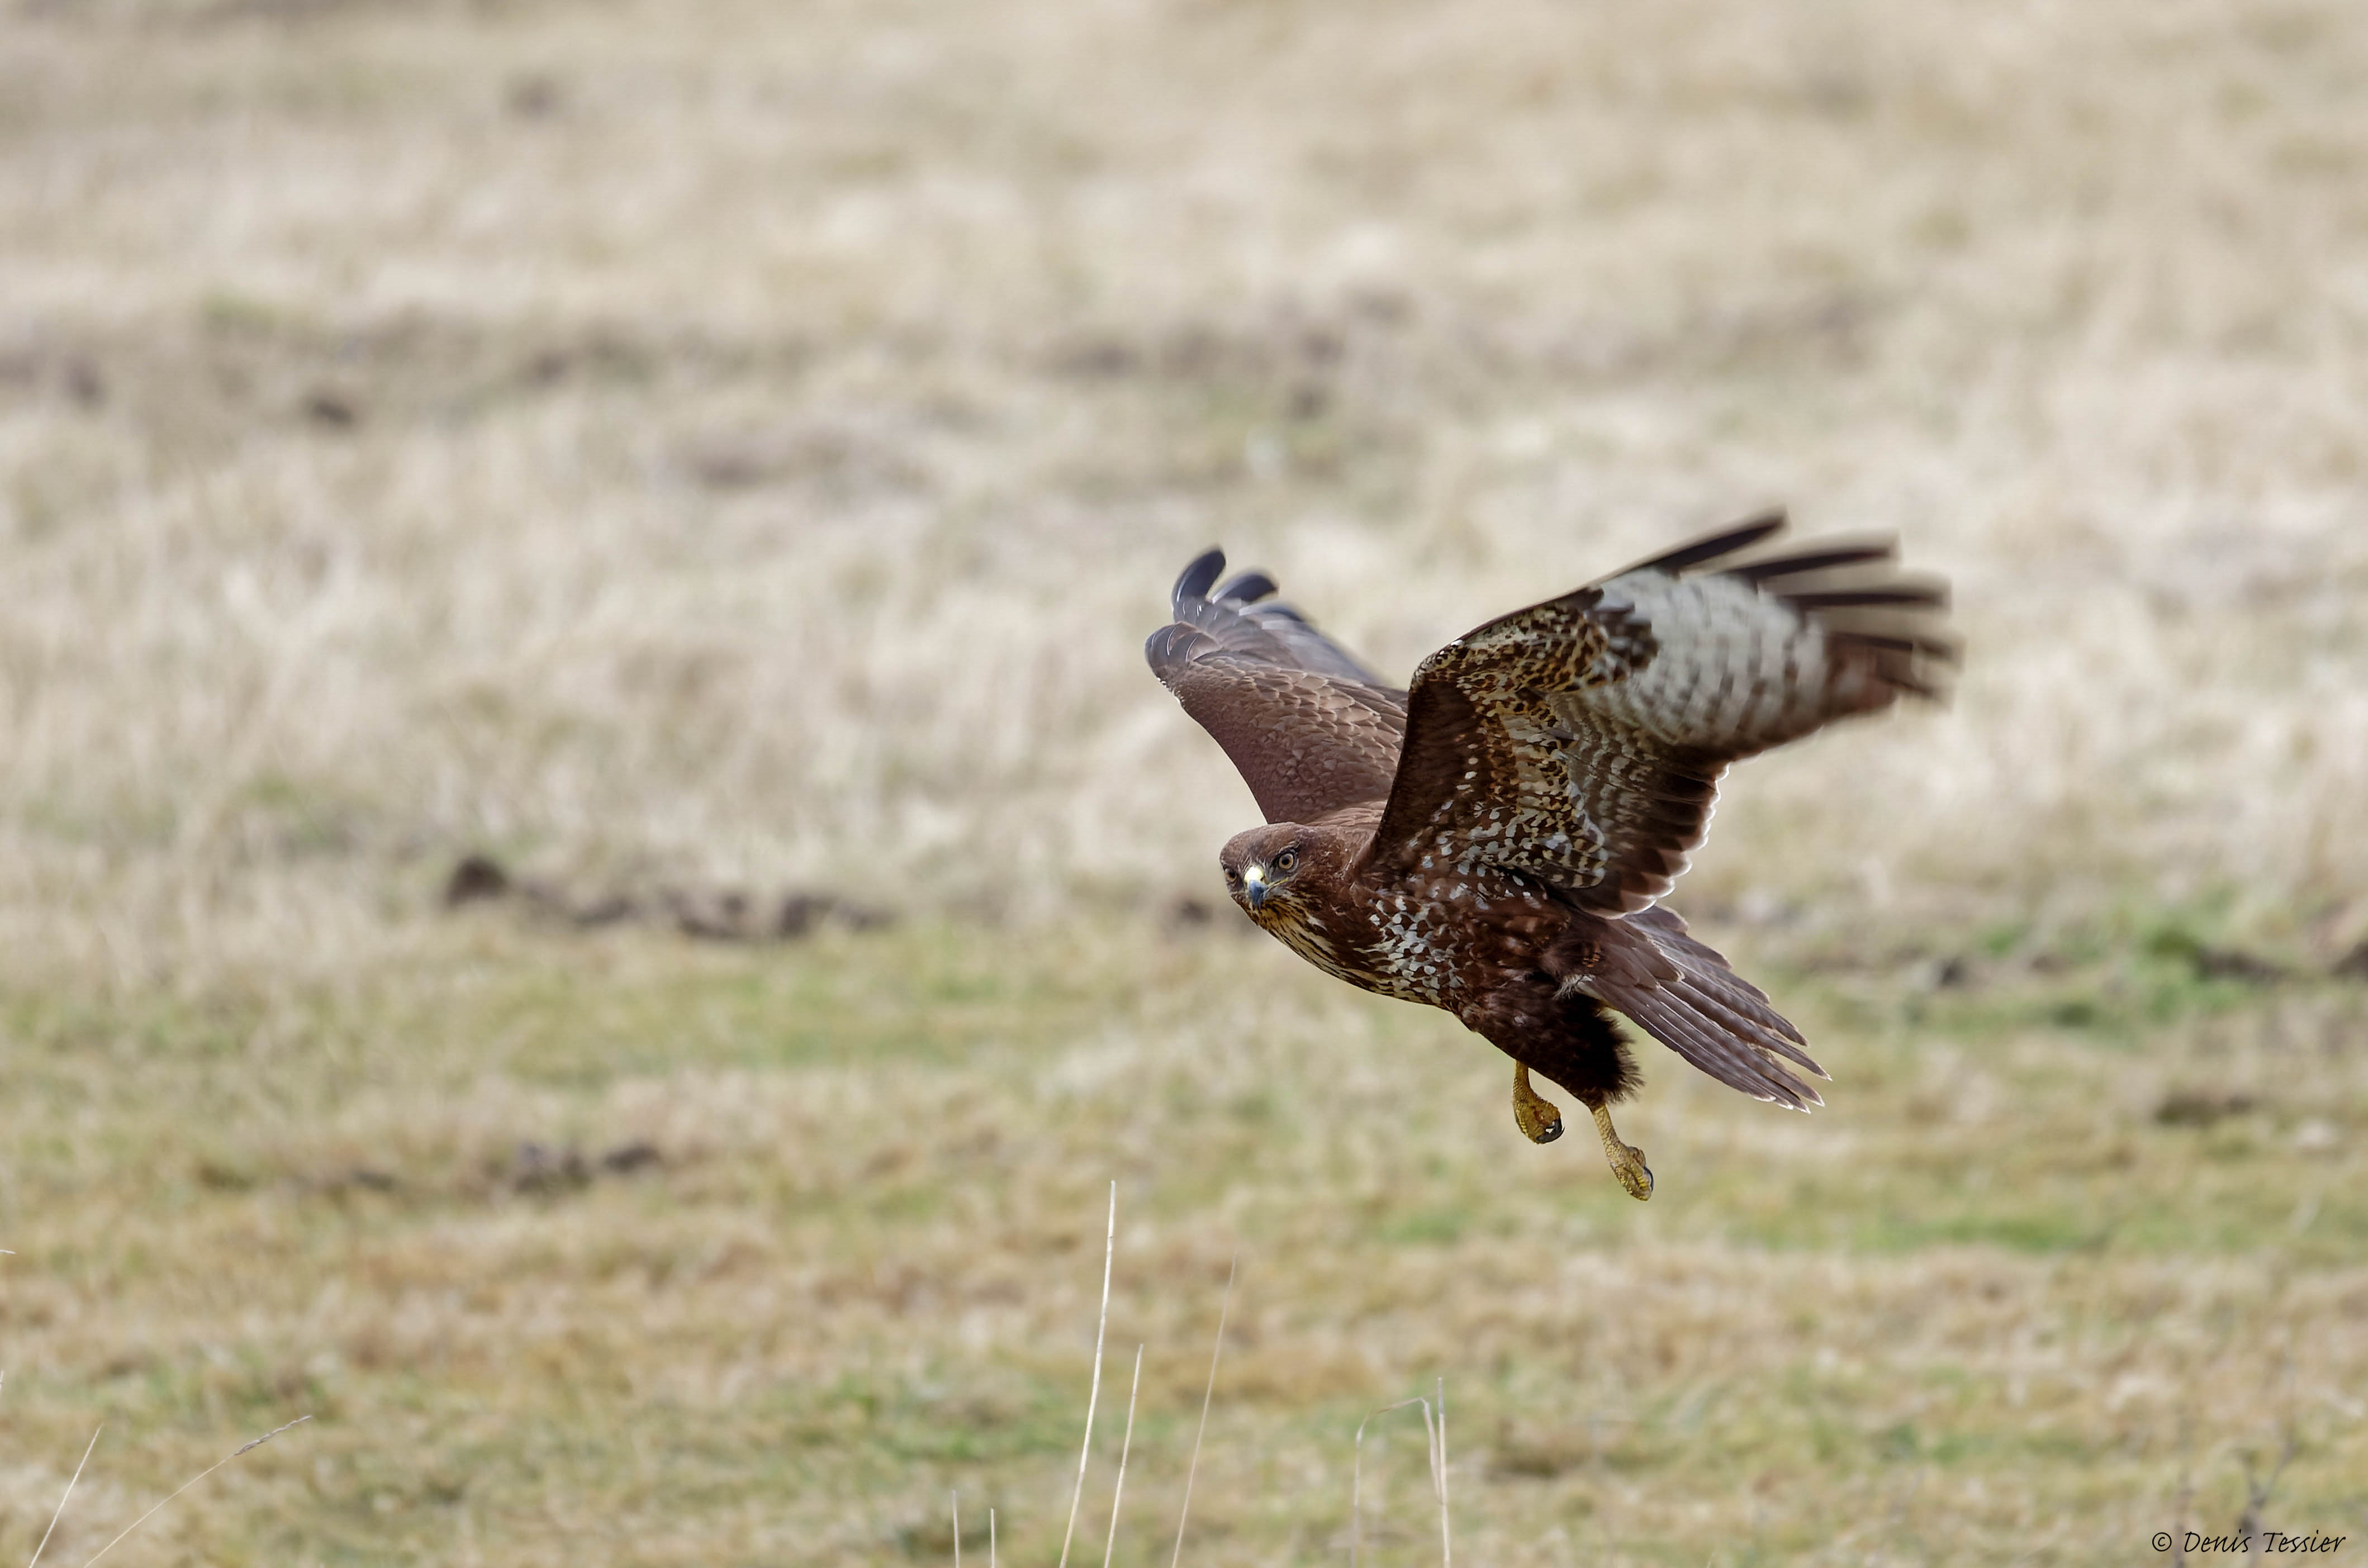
point(1495, 841)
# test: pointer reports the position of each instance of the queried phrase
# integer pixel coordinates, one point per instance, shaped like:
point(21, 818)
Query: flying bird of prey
point(1495, 839)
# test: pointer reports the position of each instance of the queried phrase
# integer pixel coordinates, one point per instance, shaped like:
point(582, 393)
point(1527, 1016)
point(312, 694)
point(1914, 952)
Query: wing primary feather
point(1929, 691)
point(1760, 571)
point(1939, 648)
point(1710, 547)
point(1860, 598)
point(1194, 581)
point(1249, 588)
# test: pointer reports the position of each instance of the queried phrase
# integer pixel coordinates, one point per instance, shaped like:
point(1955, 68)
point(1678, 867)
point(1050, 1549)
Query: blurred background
point(593, 887)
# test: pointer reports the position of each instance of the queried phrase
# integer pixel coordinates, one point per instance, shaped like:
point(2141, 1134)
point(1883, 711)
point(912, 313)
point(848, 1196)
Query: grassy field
point(689, 453)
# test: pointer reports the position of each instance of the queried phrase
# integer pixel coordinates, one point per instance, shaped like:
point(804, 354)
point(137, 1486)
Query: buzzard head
point(1264, 868)
point(1291, 879)
point(1286, 875)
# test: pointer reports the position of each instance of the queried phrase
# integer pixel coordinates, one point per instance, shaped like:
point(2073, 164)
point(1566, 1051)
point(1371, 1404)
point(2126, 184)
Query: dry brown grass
point(745, 445)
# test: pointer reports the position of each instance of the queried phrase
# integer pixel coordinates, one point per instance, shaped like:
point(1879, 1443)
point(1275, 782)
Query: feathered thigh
point(1569, 1041)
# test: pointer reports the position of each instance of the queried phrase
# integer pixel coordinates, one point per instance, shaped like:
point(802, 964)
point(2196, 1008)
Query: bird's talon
point(1539, 1118)
point(1627, 1160)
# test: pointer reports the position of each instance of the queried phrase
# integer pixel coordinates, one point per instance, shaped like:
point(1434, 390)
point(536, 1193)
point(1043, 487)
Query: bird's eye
point(1233, 878)
point(1286, 860)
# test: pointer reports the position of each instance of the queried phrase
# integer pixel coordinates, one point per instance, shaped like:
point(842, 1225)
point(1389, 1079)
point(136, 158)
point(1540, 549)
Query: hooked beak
point(1254, 886)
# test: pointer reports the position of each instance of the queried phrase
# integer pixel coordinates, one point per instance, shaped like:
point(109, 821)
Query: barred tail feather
point(1683, 993)
point(1717, 1052)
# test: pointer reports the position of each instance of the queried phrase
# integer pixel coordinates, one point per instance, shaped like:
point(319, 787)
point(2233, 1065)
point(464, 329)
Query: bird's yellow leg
point(1627, 1160)
point(1539, 1118)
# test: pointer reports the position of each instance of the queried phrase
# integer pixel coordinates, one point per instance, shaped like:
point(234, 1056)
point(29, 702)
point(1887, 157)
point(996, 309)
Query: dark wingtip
point(1247, 588)
point(1906, 592)
point(1710, 547)
point(1857, 552)
point(1197, 579)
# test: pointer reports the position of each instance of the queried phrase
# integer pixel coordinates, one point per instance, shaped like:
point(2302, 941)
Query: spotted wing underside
point(1581, 740)
point(1308, 726)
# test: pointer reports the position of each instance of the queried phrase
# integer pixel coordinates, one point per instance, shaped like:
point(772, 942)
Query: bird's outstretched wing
point(1581, 740)
point(1310, 729)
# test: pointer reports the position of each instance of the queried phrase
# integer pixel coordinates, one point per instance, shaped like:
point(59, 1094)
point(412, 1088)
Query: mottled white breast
point(1416, 979)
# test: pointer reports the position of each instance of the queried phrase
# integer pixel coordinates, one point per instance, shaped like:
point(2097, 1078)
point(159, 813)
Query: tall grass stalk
point(1118, 1493)
point(1184, 1511)
point(1093, 1397)
point(58, 1512)
point(153, 1508)
point(1434, 1428)
point(247, 1446)
point(1439, 1478)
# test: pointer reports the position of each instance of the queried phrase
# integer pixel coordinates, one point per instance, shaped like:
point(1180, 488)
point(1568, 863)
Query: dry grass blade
point(1430, 1445)
point(254, 1443)
point(59, 1512)
point(1118, 1493)
point(1438, 1476)
point(990, 1538)
point(1207, 1394)
point(1110, 1249)
point(956, 1499)
point(1434, 1430)
point(1356, 1467)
